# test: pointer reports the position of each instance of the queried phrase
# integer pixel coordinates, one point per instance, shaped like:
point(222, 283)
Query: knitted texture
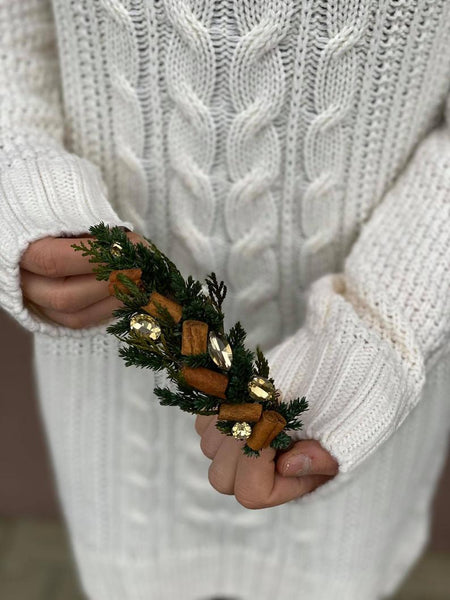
point(302, 151)
point(44, 190)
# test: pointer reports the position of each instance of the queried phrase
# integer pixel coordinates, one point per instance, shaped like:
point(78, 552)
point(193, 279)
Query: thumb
point(306, 457)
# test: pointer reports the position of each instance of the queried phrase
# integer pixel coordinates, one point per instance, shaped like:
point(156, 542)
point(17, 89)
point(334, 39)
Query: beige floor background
point(35, 562)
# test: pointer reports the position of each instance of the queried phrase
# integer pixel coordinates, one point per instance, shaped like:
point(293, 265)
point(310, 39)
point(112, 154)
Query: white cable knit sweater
point(302, 151)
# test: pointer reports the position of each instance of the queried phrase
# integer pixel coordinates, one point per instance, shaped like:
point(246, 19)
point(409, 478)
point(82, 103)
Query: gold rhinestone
point(220, 351)
point(146, 327)
point(260, 388)
point(241, 430)
point(116, 249)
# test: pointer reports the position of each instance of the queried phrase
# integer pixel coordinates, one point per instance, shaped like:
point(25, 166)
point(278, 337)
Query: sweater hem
point(238, 574)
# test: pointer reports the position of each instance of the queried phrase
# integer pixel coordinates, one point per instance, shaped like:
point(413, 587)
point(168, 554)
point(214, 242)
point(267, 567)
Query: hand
point(58, 283)
point(267, 480)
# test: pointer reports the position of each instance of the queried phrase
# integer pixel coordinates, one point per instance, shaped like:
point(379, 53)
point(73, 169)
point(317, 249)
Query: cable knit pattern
point(332, 96)
point(302, 151)
point(190, 77)
point(328, 70)
point(254, 156)
point(122, 52)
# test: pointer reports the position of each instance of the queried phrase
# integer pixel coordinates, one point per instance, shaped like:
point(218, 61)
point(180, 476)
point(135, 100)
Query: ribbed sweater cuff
point(39, 198)
point(358, 389)
point(398, 271)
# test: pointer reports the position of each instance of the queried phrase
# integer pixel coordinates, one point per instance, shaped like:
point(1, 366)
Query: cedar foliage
point(160, 274)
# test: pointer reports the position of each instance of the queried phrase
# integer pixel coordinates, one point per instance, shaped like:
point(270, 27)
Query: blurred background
point(35, 561)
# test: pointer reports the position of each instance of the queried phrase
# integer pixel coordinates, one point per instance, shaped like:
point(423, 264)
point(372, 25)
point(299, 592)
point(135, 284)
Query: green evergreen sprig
point(160, 274)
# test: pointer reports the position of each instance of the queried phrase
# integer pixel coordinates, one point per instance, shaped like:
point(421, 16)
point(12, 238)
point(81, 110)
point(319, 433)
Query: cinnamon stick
point(117, 286)
point(205, 380)
point(194, 338)
point(250, 412)
point(175, 310)
point(266, 429)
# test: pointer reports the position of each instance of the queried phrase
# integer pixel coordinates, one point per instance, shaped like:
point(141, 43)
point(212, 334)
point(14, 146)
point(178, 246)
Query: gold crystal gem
point(146, 327)
point(116, 249)
point(241, 430)
point(260, 388)
point(220, 351)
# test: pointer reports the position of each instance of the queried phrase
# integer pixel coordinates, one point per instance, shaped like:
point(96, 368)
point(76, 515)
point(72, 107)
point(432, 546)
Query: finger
point(55, 257)
point(286, 489)
point(306, 457)
point(211, 439)
point(64, 294)
point(259, 486)
point(96, 314)
point(202, 422)
point(255, 477)
point(222, 470)
point(135, 238)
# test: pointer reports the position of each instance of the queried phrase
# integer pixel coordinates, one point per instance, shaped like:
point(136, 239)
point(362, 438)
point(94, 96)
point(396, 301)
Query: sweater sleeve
point(44, 190)
point(373, 331)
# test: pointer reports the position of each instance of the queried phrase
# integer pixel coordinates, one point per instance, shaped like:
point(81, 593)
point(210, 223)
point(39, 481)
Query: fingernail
point(297, 464)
